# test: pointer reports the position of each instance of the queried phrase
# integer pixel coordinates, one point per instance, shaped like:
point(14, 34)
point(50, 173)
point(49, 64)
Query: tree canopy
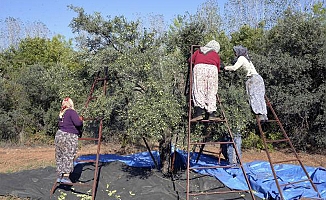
point(147, 73)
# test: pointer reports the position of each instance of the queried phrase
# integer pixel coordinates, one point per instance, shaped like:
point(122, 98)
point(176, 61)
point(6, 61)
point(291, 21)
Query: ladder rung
point(284, 161)
point(209, 143)
point(218, 120)
point(290, 183)
point(220, 192)
point(208, 121)
point(270, 120)
point(212, 152)
point(91, 98)
point(215, 167)
point(280, 140)
point(85, 161)
point(94, 139)
point(78, 184)
point(101, 79)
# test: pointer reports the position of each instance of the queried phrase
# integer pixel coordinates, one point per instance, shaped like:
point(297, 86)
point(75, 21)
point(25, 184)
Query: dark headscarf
point(241, 51)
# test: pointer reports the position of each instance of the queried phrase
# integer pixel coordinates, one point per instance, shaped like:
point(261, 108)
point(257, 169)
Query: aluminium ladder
point(192, 142)
point(288, 142)
point(97, 139)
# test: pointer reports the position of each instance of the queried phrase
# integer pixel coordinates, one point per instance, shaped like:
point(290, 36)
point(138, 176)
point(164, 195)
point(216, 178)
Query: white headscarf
point(66, 104)
point(210, 46)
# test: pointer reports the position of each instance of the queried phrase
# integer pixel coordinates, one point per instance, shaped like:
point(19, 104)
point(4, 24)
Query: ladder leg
point(203, 144)
point(54, 187)
point(236, 149)
point(201, 149)
point(97, 161)
point(100, 119)
point(190, 142)
point(262, 134)
point(289, 143)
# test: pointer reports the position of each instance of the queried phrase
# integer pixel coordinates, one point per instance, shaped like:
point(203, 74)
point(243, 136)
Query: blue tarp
point(259, 174)
point(133, 160)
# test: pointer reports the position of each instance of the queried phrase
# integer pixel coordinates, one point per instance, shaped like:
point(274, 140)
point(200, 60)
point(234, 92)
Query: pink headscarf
point(66, 104)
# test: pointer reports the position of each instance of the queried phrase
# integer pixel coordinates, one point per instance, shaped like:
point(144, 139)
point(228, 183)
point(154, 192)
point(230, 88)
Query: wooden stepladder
point(285, 140)
point(193, 142)
point(98, 80)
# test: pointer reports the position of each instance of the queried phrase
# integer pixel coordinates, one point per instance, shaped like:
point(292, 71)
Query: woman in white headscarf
point(254, 85)
point(66, 140)
point(205, 80)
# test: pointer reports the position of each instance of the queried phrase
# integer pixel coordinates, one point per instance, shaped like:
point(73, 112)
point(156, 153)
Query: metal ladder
point(97, 139)
point(287, 141)
point(192, 142)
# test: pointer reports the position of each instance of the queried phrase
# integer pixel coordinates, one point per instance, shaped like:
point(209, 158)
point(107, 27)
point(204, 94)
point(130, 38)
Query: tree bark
point(165, 152)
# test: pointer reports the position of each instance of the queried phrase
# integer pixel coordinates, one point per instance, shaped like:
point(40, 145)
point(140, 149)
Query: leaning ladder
point(287, 141)
point(192, 142)
point(97, 139)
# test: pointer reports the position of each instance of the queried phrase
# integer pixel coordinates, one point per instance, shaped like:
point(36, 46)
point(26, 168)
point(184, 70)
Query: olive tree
point(294, 69)
point(142, 101)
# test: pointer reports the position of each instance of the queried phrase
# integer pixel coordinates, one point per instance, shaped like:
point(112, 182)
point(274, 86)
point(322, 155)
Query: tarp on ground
point(116, 180)
point(259, 174)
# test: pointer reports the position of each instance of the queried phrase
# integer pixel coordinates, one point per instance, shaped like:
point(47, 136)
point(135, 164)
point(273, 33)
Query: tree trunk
point(165, 152)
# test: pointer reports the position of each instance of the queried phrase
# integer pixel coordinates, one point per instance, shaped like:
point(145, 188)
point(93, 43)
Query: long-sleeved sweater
point(243, 62)
point(211, 58)
point(70, 122)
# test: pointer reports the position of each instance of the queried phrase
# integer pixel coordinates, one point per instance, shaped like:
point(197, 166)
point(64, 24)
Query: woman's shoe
point(65, 180)
point(198, 118)
point(212, 117)
point(59, 177)
point(265, 117)
point(198, 114)
point(262, 118)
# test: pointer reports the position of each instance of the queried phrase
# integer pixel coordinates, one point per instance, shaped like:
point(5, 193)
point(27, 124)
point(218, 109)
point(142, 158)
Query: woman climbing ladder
point(254, 85)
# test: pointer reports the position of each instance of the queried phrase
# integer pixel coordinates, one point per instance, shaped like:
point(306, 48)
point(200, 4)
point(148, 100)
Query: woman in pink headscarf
point(66, 140)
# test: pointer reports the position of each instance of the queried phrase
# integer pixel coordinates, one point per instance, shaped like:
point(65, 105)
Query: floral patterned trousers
point(256, 91)
point(65, 151)
point(204, 87)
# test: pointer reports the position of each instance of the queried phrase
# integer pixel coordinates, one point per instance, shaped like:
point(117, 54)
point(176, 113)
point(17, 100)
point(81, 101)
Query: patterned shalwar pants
point(65, 151)
point(256, 91)
point(204, 87)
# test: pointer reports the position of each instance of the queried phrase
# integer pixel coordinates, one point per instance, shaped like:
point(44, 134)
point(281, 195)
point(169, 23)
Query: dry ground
point(15, 159)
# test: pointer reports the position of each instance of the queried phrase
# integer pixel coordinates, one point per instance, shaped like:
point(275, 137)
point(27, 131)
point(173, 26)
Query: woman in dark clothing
point(66, 140)
point(254, 85)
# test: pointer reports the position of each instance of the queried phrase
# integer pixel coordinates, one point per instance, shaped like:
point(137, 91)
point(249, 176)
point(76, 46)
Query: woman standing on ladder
point(205, 80)
point(254, 85)
point(66, 140)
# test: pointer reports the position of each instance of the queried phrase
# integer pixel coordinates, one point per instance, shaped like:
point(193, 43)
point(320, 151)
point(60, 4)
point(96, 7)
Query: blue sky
point(56, 16)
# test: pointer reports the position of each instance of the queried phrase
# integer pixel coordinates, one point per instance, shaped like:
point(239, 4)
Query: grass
point(30, 166)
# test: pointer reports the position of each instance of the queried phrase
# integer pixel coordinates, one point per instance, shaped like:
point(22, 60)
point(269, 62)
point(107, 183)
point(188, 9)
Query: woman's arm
point(76, 119)
point(237, 65)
